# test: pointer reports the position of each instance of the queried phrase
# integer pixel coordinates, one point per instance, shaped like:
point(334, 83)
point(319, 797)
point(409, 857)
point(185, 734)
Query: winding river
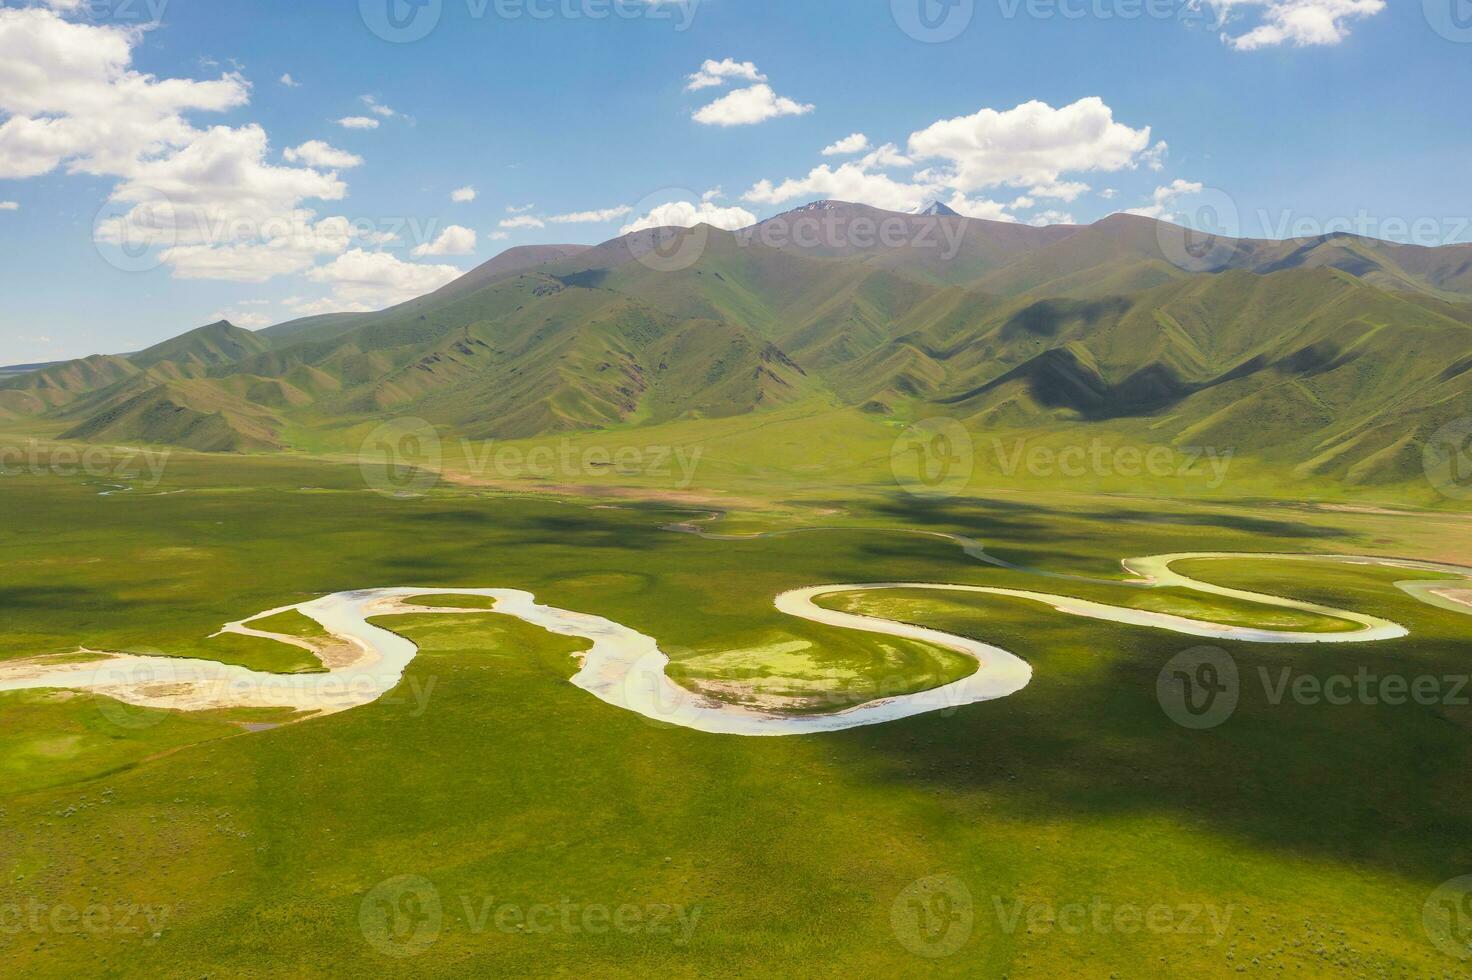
point(626, 669)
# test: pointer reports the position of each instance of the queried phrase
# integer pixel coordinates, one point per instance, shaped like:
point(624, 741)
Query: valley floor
point(486, 816)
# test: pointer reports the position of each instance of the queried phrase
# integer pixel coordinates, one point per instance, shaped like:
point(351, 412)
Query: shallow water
point(626, 669)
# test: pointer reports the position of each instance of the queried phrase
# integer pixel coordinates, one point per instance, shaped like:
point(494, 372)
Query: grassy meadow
point(488, 818)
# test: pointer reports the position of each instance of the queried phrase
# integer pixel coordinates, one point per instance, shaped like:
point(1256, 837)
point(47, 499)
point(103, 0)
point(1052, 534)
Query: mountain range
point(1334, 356)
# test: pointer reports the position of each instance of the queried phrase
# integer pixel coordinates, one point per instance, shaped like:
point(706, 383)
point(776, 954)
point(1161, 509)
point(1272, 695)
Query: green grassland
point(1300, 838)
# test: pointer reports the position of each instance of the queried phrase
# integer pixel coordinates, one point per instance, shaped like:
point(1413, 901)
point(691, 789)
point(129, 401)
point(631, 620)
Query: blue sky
point(247, 196)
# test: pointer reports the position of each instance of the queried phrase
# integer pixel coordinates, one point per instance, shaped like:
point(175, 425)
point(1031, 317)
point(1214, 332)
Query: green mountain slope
point(1327, 358)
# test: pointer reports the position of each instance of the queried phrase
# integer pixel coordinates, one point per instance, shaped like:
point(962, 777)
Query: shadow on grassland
point(1375, 785)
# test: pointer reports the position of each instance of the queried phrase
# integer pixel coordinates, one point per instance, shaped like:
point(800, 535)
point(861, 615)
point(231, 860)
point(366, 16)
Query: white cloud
point(1300, 23)
point(519, 209)
point(747, 106)
point(358, 122)
point(1044, 218)
point(523, 221)
point(288, 245)
point(685, 214)
point(980, 207)
point(857, 143)
point(1109, 193)
point(1030, 145)
point(592, 217)
point(9, 205)
point(245, 262)
point(715, 73)
point(290, 82)
point(207, 199)
point(454, 240)
point(1164, 197)
point(242, 318)
point(301, 306)
point(70, 96)
point(1155, 156)
point(220, 187)
point(848, 182)
point(217, 210)
point(1059, 190)
point(498, 236)
point(316, 153)
point(378, 108)
point(463, 195)
point(373, 280)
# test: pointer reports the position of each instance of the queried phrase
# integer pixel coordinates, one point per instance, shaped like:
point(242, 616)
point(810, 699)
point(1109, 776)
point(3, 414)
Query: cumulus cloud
point(363, 281)
point(358, 122)
point(686, 214)
point(287, 244)
point(290, 82)
point(980, 207)
point(1154, 157)
point(454, 240)
point(592, 217)
point(220, 187)
point(1031, 145)
point(1164, 197)
point(463, 195)
point(522, 221)
point(847, 182)
point(747, 106)
point(716, 73)
point(209, 200)
point(1060, 190)
point(1300, 23)
point(316, 153)
point(1043, 218)
point(857, 143)
point(9, 205)
point(244, 262)
point(70, 96)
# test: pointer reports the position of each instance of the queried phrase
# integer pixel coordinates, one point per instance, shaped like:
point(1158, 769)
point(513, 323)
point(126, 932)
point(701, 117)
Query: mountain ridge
point(1332, 356)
